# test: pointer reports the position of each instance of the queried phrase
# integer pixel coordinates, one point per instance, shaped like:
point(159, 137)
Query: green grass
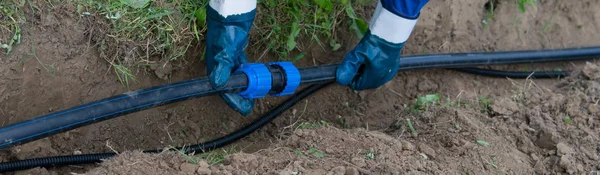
point(316, 152)
point(212, 158)
point(312, 125)
point(151, 32)
point(282, 23)
point(11, 19)
point(523, 3)
point(424, 102)
point(485, 104)
point(159, 30)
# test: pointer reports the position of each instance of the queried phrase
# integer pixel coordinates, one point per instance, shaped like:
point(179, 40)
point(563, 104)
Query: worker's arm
point(228, 22)
point(373, 62)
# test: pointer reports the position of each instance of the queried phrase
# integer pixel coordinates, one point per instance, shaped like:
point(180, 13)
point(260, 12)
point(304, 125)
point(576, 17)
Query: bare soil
point(524, 131)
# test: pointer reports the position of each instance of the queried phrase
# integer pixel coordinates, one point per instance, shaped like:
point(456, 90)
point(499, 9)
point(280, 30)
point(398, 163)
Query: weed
point(343, 122)
point(123, 74)
point(424, 102)
point(490, 6)
point(412, 129)
point(457, 126)
point(485, 104)
point(483, 143)
point(217, 156)
point(523, 3)
point(49, 70)
point(316, 152)
point(312, 125)
point(11, 19)
point(424, 156)
point(567, 120)
point(370, 155)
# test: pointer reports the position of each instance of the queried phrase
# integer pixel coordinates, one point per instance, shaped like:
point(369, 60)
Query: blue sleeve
point(409, 9)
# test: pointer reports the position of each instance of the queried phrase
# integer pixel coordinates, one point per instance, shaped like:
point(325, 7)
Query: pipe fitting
point(259, 80)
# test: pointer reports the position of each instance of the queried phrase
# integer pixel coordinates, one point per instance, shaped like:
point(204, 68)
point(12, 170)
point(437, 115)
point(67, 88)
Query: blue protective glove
point(226, 39)
point(374, 61)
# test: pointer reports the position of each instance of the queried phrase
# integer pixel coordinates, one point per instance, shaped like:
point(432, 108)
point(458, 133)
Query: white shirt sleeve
point(389, 26)
point(232, 7)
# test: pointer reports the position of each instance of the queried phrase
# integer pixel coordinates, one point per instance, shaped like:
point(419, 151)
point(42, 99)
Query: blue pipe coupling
point(276, 79)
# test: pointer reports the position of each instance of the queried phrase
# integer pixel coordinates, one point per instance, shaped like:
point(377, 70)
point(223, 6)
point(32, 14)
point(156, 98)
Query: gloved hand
point(228, 25)
point(374, 61)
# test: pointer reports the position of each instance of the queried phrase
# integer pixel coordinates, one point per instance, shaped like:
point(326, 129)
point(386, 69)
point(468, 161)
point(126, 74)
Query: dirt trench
point(58, 65)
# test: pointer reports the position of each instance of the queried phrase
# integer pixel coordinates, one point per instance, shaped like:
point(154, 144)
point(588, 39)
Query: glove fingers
point(221, 72)
point(365, 80)
point(349, 68)
point(238, 103)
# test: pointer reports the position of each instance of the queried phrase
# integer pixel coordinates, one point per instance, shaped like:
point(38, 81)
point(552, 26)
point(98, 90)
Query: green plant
point(217, 156)
point(490, 6)
point(412, 129)
point(315, 152)
point(523, 3)
point(483, 143)
point(567, 120)
point(424, 102)
point(370, 155)
point(10, 22)
point(312, 125)
point(485, 104)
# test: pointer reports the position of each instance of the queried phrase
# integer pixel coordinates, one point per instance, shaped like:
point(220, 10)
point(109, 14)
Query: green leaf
point(299, 56)
point(291, 42)
point(359, 26)
point(522, 7)
point(483, 143)
point(316, 152)
point(135, 3)
point(344, 2)
point(334, 45)
point(324, 4)
point(567, 120)
point(350, 12)
point(201, 16)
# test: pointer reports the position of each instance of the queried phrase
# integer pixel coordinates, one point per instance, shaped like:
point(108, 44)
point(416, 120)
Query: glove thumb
point(238, 103)
point(220, 74)
point(348, 70)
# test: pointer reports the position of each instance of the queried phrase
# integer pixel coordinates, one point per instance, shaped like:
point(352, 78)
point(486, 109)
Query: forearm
point(232, 7)
point(394, 20)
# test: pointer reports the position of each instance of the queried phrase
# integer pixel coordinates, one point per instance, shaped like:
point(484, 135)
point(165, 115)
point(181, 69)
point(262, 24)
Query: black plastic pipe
point(198, 148)
point(509, 74)
point(109, 108)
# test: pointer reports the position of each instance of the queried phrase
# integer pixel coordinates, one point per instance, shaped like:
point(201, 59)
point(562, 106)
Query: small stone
point(427, 150)
point(407, 145)
point(563, 149)
point(534, 157)
point(397, 146)
point(77, 152)
point(352, 171)
point(567, 164)
point(339, 170)
point(203, 171)
point(188, 168)
point(505, 107)
point(203, 164)
point(545, 140)
point(594, 109)
point(360, 162)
